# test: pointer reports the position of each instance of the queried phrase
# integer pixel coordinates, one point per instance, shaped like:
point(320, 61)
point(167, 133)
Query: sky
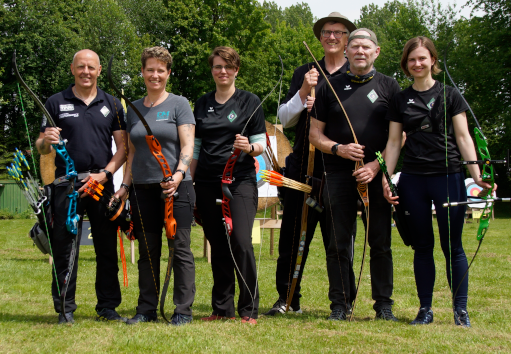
point(351, 9)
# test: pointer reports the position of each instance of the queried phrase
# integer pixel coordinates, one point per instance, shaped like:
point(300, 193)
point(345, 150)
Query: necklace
point(86, 101)
point(152, 103)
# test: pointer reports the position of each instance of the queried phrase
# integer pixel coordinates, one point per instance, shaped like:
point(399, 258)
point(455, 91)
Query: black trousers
point(104, 232)
point(243, 209)
point(341, 196)
point(417, 192)
point(149, 234)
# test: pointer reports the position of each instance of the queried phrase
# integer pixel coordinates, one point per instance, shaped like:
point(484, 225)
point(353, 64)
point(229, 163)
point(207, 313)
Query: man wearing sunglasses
point(332, 32)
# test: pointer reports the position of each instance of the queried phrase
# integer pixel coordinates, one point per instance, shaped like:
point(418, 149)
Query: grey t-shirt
point(163, 120)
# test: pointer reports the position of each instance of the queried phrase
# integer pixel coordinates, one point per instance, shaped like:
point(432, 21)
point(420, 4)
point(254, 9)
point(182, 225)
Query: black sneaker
point(139, 317)
point(67, 318)
point(180, 319)
point(337, 315)
point(461, 318)
point(280, 307)
point(425, 316)
point(107, 314)
point(385, 313)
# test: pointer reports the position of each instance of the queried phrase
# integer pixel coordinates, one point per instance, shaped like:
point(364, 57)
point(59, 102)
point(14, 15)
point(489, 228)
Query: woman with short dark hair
point(230, 133)
point(171, 120)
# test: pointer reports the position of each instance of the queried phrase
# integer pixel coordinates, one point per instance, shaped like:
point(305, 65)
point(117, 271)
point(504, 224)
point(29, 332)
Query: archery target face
point(262, 162)
point(473, 190)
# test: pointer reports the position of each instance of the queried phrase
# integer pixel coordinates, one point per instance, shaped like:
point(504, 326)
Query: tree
point(396, 22)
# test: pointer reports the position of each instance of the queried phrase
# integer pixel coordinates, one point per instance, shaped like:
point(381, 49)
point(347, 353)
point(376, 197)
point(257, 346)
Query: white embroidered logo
point(373, 96)
point(67, 107)
point(210, 110)
point(410, 101)
point(105, 111)
point(64, 115)
point(348, 87)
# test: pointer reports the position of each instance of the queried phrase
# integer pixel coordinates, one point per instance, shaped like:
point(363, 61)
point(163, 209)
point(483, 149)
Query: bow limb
point(169, 220)
point(305, 213)
point(362, 189)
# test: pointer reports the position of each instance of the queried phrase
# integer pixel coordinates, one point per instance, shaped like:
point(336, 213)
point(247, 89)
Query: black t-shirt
point(217, 126)
point(301, 133)
point(426, 151)
point(88, 129)
point(366, 105)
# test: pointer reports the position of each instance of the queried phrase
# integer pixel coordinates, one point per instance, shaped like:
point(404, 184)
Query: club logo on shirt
point(232, 116)
point(211, 109)
point(431, 103)
point(410, 101)
point(67, 107)
point(348, 87)
point(105, 111)
point(373, 96)
point(162, 116)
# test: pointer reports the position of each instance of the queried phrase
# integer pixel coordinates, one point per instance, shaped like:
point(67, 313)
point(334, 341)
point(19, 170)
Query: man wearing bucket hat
point(332, 32)
point(365, 95)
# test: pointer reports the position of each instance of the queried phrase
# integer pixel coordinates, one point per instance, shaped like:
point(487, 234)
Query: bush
point(6, 214)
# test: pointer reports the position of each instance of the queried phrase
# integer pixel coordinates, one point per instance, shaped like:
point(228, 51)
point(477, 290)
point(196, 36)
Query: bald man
point(87, 118)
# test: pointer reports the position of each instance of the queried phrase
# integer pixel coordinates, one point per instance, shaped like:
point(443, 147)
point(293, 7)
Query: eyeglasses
point(337, 34)
point(220, 67)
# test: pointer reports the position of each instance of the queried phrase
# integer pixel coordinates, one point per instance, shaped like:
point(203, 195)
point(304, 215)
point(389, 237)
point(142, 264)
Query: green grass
point(28, 322)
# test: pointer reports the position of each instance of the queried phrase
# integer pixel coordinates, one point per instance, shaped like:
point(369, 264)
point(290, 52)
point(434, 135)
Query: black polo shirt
point(425, 151)
point(88, 129)
point(301, 133)
point(366, 105)
point(217, 126)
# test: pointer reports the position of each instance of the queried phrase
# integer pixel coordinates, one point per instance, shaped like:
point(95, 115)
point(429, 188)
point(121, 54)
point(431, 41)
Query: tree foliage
point(46, 34)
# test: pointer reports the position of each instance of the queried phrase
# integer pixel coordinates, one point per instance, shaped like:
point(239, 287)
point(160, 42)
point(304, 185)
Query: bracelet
point(125, 186)
point(251, 148)
point(182, 172)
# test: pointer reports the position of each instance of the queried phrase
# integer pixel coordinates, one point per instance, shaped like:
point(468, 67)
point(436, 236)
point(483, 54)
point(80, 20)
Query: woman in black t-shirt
point(230, 131)
point(437, 136)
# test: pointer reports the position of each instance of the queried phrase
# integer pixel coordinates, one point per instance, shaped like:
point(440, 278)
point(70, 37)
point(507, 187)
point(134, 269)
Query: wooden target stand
point(283, 150)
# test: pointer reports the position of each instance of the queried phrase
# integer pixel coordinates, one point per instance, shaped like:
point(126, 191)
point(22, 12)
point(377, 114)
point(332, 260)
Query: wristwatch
point(183, 172)
point(251, 148)
point(334, 149)
point(107, 173)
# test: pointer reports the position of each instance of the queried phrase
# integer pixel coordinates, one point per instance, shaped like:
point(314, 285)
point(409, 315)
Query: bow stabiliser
point(170, 221)
point(361, 188)
point(487, 175)
point(71, 175)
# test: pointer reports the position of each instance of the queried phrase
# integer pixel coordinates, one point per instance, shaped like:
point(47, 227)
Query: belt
point(79, 177)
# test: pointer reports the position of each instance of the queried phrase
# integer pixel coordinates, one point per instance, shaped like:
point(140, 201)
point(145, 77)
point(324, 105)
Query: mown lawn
point(29, 324)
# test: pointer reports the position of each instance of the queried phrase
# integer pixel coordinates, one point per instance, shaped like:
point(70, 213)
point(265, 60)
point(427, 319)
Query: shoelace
point(338, 314)
point(387, 312)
